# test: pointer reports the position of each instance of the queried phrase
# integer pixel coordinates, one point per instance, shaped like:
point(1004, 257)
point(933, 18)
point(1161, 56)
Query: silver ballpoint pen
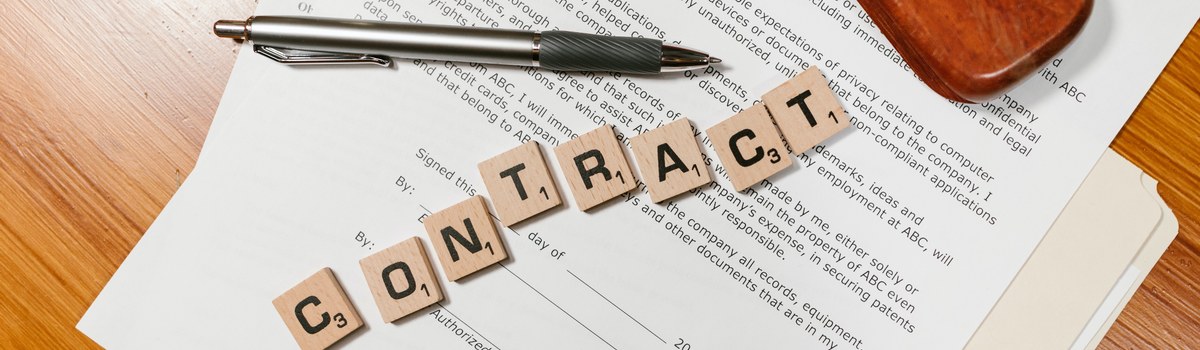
point(314, 40)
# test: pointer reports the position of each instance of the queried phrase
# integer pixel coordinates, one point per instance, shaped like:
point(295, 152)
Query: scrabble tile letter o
point(401, 279)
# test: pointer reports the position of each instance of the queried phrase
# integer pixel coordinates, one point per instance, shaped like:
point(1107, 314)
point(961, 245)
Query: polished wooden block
point(401, 279)
point(519, 183)
point(317, 311)
point(749, 147)
point(465, 238)
point(806, 110)
point(595, 167)
point(974, 51)
point(669, 160)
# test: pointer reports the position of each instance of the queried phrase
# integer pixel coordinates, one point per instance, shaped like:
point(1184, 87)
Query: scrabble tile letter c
point(749, 147)
point(317, 311)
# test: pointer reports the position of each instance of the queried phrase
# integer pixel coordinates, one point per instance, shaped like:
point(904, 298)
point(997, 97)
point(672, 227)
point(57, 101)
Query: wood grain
point(104, 107)
point(760, 151)
point(318, 302)
point(530, 177)
point(669, 160)
point(465, 238)
point(401, 278)
point(595, 167)
point(977, 50)
point(1162, 138)
point(806, 110)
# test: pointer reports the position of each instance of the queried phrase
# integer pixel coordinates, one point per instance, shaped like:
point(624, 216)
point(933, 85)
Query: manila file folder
point(1090, 263)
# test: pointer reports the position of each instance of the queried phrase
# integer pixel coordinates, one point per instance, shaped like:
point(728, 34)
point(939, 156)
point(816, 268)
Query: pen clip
point(305, 57)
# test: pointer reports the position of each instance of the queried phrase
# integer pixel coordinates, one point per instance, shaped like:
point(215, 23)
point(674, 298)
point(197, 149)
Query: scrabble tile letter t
point(806, 110)
point(519, 183)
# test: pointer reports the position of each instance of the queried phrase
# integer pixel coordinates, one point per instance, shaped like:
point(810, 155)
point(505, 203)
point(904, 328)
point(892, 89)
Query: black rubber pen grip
point(571, 51)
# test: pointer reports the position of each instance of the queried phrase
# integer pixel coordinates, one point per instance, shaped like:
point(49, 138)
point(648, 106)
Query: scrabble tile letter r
point(595, 166)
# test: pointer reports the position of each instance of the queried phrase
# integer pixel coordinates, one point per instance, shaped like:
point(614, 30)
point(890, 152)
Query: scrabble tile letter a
point(465, 238)
point(670, 160)
point(806, 110)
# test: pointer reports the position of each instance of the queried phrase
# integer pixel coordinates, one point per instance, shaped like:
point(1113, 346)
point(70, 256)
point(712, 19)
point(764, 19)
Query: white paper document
point(901, 232)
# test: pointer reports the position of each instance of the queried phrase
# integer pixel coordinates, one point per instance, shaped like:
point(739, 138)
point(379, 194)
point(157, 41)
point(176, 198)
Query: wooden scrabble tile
point(317, 311)
point(749, 147)
point(401, 279)
point(669, 160)
point(465, 238)
point(806, 110)
point(520, 183)
point(595, 166)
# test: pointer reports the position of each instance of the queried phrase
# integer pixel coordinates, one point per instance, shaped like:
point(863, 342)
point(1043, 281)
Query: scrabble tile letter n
point(519, 183)
point(595, 166)
point(465, 238)
point(749, 147)
point(317, 311)
point(401, 279)
point(669, 160)
point(806, 110)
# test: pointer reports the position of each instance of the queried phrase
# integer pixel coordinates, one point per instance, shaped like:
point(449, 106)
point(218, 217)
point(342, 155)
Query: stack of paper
point(1095, 256)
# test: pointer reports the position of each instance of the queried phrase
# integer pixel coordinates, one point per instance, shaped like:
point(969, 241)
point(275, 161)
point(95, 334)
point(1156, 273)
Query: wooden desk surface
point(104, 107)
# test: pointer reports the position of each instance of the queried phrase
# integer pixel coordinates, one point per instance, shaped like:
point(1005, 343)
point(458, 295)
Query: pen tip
point(713, 60)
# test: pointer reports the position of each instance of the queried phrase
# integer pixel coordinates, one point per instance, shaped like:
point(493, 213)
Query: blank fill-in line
point(543, 296)
point(559, 307)
point(618, 307)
